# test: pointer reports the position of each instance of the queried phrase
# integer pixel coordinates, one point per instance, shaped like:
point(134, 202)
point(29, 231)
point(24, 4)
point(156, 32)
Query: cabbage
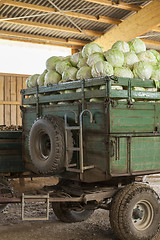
point(51, 62)
point(114, 57)
point(67, 58)
point(102, 69)
point(62, 66)
point(147, 56)
point(84, 73)
point(121, 46)
point(69, 91)
point(142, 70)
point(103, 87)
point(69, 74)
point(82, 62)
point(40, 80)
point(27, 82)
point(141, 89)
point(123, 72)
point(156, 73)
point(80, 89)
point(96, 100)
point(129, 59)
point(90, 48)
point(32, 80)
point(156, 54)
point(94, 58)
point(75, 58)
point(137, 45)
point(52, 77)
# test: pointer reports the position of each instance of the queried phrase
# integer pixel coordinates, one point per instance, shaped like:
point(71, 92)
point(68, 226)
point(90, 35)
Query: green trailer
point(100, 137)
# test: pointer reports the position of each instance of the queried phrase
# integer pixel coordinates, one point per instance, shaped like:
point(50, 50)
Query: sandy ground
point(97, 227)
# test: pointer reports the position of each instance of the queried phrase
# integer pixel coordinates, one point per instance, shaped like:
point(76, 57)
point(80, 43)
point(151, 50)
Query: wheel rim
point(142, 215)
point(44, 146)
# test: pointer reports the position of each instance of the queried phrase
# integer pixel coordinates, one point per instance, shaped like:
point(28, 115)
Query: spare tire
point(47, 144)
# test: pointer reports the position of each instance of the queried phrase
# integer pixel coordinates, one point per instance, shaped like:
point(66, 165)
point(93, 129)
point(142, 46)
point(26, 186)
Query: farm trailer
point(98, 141)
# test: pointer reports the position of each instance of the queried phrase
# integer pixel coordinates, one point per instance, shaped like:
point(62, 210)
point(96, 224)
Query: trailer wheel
point(67, 214)
point(5, 191)
point(137, 213)
point(47, 144)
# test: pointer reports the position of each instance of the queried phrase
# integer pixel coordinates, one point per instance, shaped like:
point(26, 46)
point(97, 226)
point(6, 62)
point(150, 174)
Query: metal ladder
point(74, 167)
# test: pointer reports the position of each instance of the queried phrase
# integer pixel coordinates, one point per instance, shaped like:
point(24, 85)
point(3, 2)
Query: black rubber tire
point(47, 144)
point(65, 214)
point(122, 218)
point(114, 210)
point(5, 191)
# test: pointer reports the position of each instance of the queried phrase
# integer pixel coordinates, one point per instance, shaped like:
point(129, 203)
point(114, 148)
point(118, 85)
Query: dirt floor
point(97, 227)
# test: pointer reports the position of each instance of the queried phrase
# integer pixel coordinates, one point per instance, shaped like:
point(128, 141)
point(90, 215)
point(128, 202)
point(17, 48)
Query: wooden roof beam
point(122, 5)
point(38, 38)
point(39, 42)
point(108, 20)
point(156, 29)
point(2, 2)
point(134, 26)
point(151, 42)
point(52, 27)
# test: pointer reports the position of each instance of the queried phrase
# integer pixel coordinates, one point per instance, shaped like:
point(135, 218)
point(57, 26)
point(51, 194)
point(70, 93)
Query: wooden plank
point(1, 98)
point(7, 98)
point(13, 100)
point(152, 42)
point(132, 27)
point(69, 13)
point(50, 27)
point(14, 74)
point(10, 102)
point(48, 39)
point(19, 87)
point(43, 42)
point(121, 5)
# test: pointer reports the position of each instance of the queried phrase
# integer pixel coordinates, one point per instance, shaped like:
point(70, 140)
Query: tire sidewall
point(56, 156)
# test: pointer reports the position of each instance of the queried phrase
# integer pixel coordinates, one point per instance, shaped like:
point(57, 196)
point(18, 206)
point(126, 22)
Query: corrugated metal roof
point(54, 19)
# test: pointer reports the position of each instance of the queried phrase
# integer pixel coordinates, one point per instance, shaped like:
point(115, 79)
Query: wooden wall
point(10, 98)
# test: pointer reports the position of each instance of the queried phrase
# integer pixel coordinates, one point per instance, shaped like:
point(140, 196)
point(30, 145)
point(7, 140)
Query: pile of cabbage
point(124, 59)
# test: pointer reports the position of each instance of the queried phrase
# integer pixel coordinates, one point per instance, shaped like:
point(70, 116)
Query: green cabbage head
point(123, 72)
point(129, 59)
point(137, 45)
point(51, 77)
point(114, 57)
point(121, 46)
point(84, 73)
point(90, 48)
point(61, 66)
point(102, 69)
point(69, 74)
point(142, 70)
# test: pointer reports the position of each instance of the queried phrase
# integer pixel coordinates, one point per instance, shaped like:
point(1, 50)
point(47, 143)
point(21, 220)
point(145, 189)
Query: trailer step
point(43, 197)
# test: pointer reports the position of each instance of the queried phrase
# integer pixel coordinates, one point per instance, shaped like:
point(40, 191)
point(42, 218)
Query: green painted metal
point(124, 138)
point(11, 152)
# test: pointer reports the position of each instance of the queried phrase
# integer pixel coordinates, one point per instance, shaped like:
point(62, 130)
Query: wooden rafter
point(136, 25)
point(156, 29)
point(39, 39)
point(122, 5)
point(151, 42)
point(52, 27)
point(69, 14)
point(2, 2)
point(40, 42)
